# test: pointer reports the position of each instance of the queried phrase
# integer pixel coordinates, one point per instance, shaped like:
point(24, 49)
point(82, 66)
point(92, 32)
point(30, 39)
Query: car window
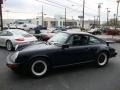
point(78, 40)
point(93, 40)
point(4, 33)
point(59, 38)
point(9, 33)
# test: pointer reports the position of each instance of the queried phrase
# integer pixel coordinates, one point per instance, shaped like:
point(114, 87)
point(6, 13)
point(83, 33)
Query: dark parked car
point(63, 49)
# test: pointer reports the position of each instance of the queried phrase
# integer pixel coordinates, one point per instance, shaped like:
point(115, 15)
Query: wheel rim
point(39, 68)
point(9, 45)
point(102, 59)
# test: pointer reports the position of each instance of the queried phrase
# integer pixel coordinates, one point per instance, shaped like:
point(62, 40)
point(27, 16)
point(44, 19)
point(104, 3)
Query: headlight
point(14, 56)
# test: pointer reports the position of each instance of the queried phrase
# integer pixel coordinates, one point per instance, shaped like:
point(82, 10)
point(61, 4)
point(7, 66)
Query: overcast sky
point(31, 8)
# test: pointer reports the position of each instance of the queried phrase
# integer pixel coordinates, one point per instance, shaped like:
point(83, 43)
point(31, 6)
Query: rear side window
point(78, 40)
point(93, 40)
point(9, 33)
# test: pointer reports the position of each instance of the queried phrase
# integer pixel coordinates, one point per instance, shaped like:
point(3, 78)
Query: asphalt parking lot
point(82, 77)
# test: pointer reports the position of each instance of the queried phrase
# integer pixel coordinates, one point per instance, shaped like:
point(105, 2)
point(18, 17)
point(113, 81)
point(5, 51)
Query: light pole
point(108, 11)
point(118, 1)
point(99, 14)
point(42, 17)
point(65, 17)
point(83, 13)
point(1, 21)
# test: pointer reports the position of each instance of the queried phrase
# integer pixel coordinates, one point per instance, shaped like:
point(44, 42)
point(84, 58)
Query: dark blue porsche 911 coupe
point(63, 49)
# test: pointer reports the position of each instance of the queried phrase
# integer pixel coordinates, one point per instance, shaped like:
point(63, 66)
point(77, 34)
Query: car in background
point(63, 49)
point(96, 31)
point(68, 27)
point(11, 37)
point(44, 36)
point(9, 26)
point(26, 26)
point(60, 28)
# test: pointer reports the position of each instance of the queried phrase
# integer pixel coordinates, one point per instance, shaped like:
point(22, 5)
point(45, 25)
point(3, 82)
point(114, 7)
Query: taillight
point(19, 39)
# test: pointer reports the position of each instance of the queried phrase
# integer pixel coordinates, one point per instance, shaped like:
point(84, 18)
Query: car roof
point(76, 32)
point(13, 30)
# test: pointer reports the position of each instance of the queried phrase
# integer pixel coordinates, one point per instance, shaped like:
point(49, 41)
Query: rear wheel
point(102, 59)
point(9, 45)
point(38, 68)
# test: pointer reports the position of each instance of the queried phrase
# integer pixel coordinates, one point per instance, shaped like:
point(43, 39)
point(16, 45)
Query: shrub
point(113, 32)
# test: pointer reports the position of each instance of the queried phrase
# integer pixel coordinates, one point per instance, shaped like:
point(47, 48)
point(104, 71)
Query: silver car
point(11, 37)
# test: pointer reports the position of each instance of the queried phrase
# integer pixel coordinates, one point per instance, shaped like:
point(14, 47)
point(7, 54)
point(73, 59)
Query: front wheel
point(38, 68)
point(102, 59)
point(9, 46)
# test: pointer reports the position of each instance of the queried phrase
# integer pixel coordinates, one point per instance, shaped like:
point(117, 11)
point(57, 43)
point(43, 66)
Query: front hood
point(38, 46)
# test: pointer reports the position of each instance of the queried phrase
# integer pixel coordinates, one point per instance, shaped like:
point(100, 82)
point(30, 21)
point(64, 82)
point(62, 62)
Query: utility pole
point(83, 13)
point(42, 17)
point(118, 1)
point(65, 17)
point(1, 21)
point(72, 22)
point(108, 11)
point(99, 14)
point(114, 19)
point(94, 20)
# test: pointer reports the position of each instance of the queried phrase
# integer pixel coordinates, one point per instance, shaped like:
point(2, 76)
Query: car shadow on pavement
point(63, 71)
point(3, 48)
point(71, 69)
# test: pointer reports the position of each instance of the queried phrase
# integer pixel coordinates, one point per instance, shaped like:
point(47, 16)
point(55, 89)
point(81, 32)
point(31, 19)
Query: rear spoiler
point(109, 42)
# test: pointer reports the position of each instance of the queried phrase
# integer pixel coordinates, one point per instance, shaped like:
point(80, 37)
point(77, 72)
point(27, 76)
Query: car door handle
point(87, 48)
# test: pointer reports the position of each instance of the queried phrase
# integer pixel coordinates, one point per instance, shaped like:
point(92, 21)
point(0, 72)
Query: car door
point(3, 38)
point(75, 53)
point(80, 49)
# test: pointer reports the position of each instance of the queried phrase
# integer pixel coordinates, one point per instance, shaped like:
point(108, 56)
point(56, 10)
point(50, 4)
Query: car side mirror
point(109, 42)
point(65, 46)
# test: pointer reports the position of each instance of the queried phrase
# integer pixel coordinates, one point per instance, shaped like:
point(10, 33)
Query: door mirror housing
point(109, 42)
point(65, 46)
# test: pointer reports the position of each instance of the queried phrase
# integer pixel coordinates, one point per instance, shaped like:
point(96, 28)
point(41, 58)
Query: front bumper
point(12, 65)
point(113, 54)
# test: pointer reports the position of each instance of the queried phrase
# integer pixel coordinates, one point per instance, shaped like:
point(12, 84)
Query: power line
point(79, 4)
point(55, 2)
point(48, 4)
point(20, 12)
point(58, 6)
point(73, 2)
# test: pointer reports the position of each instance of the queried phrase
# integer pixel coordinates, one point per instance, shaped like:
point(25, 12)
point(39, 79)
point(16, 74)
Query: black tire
point(38, 68)
point(40, 39)
point(102, 59)
point(9, 45)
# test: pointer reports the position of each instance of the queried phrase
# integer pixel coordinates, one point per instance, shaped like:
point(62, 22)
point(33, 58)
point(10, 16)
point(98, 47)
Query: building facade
point(57, 21)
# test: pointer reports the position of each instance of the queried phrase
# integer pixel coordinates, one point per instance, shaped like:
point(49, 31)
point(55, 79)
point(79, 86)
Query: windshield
point(59, 39)
point(19, 32)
